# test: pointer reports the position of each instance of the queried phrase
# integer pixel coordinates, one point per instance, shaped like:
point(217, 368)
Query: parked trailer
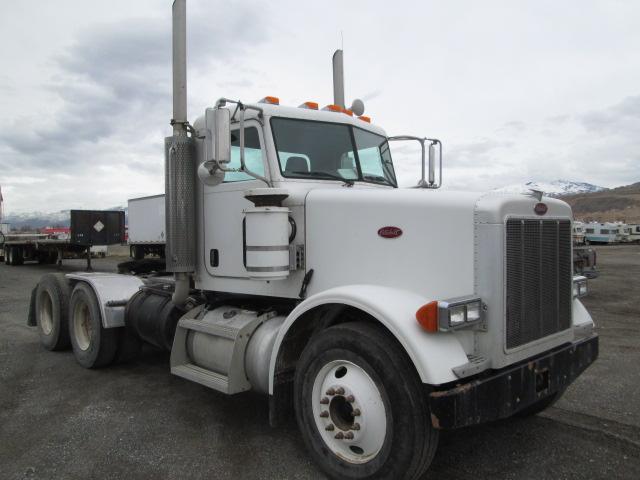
point(301, 271)
point(600, 233)
point(623, 232)
point(634, 232)
point(146, 226)
point(88, 228)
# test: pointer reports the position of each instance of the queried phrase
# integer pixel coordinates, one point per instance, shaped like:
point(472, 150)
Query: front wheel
point(361, 407)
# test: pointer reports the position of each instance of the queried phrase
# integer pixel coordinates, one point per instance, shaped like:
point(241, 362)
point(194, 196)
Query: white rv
point(634, 232)
point(600, 233)
point(623, 232)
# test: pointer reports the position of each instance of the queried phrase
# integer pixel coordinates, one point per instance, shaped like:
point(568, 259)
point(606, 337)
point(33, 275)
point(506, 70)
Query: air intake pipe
point(179, 172)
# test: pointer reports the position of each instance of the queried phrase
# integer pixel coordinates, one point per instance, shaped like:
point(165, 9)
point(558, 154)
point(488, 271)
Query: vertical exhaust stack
point(179, 172)
point(357, 107)
point(338, 79)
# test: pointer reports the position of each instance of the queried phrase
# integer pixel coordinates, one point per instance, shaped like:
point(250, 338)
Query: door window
point(252, 155)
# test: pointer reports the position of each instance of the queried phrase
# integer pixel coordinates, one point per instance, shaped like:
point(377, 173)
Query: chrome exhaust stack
point(179, 172)
point(357, 107)
point(338, 79)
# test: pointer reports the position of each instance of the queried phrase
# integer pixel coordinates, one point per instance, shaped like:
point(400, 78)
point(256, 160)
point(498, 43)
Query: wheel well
point(296, 339)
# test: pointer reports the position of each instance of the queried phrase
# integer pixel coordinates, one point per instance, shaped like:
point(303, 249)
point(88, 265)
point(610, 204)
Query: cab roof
point(271, 110)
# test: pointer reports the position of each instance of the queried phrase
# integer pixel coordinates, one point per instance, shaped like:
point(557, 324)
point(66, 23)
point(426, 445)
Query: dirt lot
point(58, 420)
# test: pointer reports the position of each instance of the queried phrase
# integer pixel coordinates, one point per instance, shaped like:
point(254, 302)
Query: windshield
point(310, 149)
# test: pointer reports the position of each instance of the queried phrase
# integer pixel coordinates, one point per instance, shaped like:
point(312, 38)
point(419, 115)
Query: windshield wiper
point(378, 179)
point(326, 175)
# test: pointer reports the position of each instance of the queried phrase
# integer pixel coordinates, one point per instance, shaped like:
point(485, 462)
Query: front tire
point(361, 407)
point(93, 345)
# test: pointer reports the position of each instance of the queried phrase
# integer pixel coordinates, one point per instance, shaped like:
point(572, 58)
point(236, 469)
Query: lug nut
point(356, 426)
point(331, 391)
point(324, 414)
point(351, 398)
point(339, 436)
point(340, 391)
point(348, 436)
point(324, 401)
point(356, 412)
point(330, 427)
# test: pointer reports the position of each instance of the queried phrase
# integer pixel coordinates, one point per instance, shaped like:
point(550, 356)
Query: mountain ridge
point(555, 188)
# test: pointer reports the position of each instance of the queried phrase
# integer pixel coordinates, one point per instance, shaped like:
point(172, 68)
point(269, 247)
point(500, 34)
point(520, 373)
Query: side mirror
point(218, 123)
point(432, 164)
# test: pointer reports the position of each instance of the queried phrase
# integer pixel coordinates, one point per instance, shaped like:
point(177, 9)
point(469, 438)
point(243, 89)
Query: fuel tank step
point(209, 346)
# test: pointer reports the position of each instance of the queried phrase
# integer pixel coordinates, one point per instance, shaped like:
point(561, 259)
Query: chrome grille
point(539, 277)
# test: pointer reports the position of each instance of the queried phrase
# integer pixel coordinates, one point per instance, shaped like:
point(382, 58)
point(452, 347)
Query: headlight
point(459, 313)
point(456, 315)
point(474, 310)
point(579, 287)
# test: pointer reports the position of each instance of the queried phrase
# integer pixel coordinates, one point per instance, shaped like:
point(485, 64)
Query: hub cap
point(46, 313)
point(82, 325)
point(349, 411)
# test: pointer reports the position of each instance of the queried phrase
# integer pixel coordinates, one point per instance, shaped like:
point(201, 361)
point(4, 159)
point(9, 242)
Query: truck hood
point(414, 239)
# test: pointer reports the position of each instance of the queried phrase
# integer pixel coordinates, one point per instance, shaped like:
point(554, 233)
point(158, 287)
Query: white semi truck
point(377, 316)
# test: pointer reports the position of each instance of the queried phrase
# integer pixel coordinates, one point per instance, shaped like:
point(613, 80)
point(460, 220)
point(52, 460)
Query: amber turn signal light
point(427, 316)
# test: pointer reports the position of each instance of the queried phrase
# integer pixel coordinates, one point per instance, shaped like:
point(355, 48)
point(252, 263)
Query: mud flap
point(31, 318)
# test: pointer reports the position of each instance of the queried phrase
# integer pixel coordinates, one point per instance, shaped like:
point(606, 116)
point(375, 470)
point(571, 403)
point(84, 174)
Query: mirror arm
point(434, 141)
point(243, 167)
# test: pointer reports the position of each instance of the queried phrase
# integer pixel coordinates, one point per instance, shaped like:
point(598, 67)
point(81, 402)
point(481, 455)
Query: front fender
point(433, 354)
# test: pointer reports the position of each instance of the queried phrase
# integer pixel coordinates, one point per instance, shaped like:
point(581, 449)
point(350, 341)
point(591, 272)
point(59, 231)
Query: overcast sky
point(517, 91)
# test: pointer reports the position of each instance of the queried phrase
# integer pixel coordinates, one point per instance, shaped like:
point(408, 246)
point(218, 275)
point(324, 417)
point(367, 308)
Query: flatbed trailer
point(88, 228)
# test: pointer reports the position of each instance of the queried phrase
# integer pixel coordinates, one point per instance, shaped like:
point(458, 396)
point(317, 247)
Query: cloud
point(113, 88)
point(620, 119)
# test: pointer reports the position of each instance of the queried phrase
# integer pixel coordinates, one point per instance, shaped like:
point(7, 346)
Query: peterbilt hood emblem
point(390, 232)
point(540, 208)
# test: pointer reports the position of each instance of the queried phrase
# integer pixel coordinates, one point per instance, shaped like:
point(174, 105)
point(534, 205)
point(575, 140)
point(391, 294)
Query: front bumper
point(504, 392)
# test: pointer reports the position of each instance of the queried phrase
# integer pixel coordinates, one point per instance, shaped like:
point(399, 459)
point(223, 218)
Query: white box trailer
point(146, 226)
point(376, 316)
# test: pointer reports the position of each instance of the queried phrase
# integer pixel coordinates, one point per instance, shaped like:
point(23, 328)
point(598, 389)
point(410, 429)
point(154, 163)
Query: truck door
point(224, 203)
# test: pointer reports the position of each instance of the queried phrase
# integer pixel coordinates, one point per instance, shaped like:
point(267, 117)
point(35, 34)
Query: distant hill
point(556, 188)
point(622, 203)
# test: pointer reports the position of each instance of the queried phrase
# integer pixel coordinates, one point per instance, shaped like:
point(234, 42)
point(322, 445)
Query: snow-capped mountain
point(556, 188)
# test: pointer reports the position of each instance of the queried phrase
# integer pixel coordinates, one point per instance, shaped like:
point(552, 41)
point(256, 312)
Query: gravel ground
point(58, 420)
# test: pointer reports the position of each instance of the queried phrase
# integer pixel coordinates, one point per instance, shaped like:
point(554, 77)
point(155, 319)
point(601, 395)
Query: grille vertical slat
point(538, 279)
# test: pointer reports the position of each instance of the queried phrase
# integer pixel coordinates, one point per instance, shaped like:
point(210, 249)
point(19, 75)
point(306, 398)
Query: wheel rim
point(82, 325)
point(349, 411)
point(46, 313)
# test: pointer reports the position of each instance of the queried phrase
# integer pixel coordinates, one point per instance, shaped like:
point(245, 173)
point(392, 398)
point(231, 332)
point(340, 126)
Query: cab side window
point(252, 155)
